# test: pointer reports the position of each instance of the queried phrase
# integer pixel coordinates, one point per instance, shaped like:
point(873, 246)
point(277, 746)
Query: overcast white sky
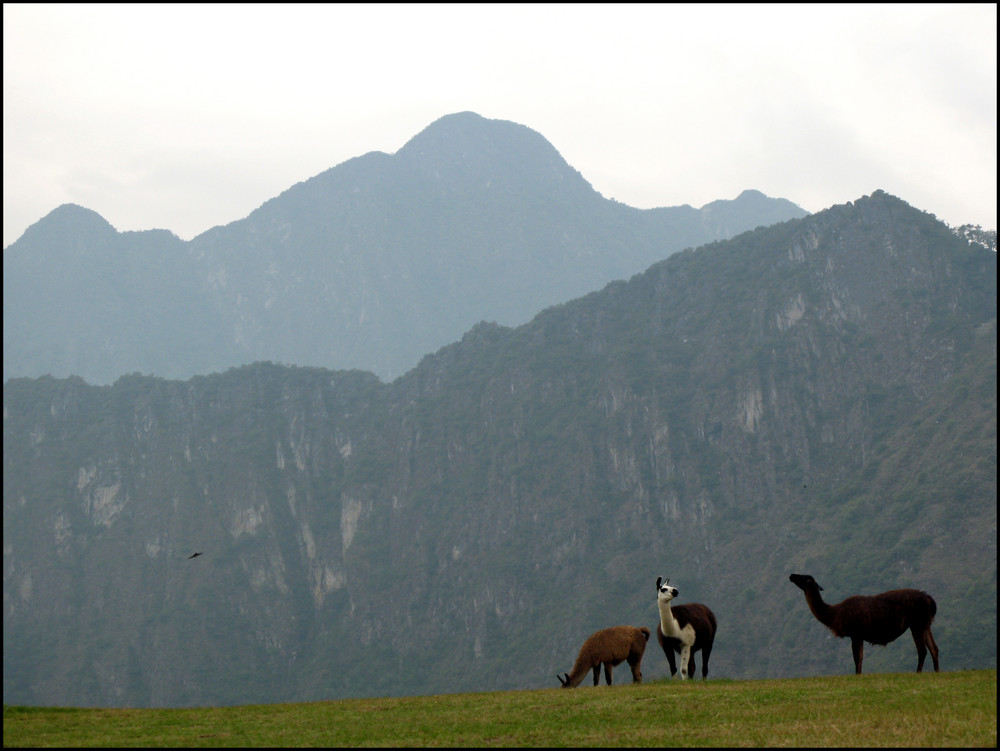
point(184, 117)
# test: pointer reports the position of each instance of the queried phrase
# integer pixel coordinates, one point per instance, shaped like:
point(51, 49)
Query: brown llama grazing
point(685, 629)
point(879, 619)
point(608, 647)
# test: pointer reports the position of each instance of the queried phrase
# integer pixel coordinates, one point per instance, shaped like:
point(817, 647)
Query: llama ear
point(658, 580)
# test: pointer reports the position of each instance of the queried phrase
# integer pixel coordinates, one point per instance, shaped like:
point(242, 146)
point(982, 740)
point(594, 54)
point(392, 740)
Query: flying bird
point(194, 555)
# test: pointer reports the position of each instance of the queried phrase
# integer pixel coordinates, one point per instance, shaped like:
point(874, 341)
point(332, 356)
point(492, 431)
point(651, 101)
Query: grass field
point(885, 709)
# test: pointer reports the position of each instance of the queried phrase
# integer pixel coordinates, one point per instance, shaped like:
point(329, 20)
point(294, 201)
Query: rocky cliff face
point(819, 396)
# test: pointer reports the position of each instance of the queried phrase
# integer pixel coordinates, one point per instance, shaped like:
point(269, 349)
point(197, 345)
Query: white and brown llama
point(685, 629)
point(877, 619)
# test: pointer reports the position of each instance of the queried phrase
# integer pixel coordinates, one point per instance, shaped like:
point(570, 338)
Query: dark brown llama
point(878, 619)
point(608, 647)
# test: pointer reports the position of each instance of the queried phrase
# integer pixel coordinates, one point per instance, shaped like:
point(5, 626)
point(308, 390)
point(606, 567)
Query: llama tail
point(931, 607)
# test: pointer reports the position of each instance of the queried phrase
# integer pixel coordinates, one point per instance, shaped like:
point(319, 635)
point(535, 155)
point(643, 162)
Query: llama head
point(804, 582)
point(564, 681)
point(664, 592)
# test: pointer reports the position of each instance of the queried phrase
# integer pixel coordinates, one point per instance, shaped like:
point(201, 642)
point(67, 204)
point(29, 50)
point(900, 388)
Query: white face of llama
point(665, 592)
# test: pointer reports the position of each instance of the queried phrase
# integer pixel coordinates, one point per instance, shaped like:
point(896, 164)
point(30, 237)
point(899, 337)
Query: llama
point(608, 647)
point(684, 629)
point(879, 619)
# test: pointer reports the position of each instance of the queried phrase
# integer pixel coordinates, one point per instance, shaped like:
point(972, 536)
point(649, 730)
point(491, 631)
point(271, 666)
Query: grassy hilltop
point(886, 709)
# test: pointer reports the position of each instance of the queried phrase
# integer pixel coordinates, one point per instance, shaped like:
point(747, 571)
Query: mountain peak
point(75, 212)
point(68, 219)
point(470, 128)
point(465, 142)
point(71, 214)
point(730, 216)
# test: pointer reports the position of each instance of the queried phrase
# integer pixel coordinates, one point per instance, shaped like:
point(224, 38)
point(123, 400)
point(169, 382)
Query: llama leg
point(636, 673)
point(932, 646)
point(918, 639)
point(607, 673)
point(670, 660)
point(597, 674)
point(685, 659)
point(925, 641)
point(705, 652)
point(858, 647)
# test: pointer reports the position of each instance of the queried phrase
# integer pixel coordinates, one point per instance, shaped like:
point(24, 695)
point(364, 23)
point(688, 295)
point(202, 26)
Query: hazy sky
point(184, 117)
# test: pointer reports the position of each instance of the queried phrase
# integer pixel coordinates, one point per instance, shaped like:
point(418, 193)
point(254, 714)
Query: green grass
point(884, 709)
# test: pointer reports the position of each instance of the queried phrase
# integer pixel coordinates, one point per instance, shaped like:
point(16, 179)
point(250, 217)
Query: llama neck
point(668, 624)
point(819, 608)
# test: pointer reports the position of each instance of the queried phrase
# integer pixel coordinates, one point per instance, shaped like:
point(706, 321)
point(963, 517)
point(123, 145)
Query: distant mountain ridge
point(370, 265)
